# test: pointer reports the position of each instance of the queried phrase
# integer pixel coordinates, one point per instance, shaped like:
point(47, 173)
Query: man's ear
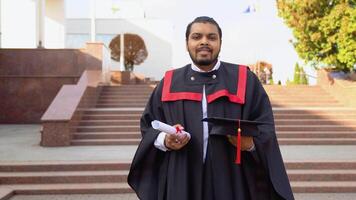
point(186, 45)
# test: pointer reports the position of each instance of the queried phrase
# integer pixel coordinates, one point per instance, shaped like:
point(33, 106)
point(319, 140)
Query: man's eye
point(212, 38)
point(195, 37)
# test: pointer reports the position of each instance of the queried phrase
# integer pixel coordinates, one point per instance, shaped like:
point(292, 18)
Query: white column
point(92, 20)
point(40, 23)
point(122, 57)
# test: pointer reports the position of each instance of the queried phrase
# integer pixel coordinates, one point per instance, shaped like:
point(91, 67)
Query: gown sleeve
point(144, 172)
point(267, 154)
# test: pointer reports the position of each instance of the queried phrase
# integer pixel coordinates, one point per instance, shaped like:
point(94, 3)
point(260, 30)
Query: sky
point(247, 37)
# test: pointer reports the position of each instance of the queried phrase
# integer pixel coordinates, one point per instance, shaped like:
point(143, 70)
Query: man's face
point(204, 45)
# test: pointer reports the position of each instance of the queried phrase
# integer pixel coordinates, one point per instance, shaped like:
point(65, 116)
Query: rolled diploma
point(167, 128)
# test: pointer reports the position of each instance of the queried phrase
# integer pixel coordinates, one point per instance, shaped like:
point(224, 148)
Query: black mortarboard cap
point(227, 126)
point(238, 127)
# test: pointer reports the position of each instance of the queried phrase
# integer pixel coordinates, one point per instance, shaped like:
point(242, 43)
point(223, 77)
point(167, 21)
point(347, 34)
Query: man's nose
point(204, 41)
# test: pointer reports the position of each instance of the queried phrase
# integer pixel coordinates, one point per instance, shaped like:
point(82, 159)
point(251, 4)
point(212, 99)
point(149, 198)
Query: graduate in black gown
point(203, 167)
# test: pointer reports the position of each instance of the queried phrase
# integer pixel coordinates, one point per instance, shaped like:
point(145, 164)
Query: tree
point(300, 77)
point(324, 30)
point(303, 80)
point(134, 50)
point(296, 78)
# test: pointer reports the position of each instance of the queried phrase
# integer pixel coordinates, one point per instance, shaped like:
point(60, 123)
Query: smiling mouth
point(204, 50)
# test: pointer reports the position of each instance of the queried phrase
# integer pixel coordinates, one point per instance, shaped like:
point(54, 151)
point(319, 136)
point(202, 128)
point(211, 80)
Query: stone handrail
point(342, 90)
point(61, 114)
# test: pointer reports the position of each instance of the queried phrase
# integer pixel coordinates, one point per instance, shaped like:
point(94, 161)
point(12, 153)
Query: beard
point(203, 61)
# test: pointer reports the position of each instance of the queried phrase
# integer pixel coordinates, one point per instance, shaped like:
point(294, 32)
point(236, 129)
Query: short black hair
point(202, 19)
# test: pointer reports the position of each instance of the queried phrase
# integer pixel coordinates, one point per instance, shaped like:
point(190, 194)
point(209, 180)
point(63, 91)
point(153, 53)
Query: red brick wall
point(31, 78)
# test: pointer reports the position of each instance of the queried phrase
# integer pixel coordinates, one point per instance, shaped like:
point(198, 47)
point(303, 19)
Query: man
point(168, 167)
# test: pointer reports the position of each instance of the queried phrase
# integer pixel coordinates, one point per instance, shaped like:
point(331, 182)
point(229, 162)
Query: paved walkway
point(20, 143)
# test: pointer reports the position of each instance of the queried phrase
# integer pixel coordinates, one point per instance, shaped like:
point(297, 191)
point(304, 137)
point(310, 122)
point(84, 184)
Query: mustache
point(204, 49)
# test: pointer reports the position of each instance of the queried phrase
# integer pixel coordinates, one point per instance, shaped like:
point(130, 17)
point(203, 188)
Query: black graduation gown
point(233, 92)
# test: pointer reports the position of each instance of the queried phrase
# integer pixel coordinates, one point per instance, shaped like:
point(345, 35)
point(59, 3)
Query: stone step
point(99, 165)
point(322, 165)
point(112, 117)
point(321, 175)
point(120, 105)
point(133, 89)
point(317, 141)
point(126, 93)
point(338, 116)
point(63, 166)
point(107, 135)
point(318, 196)
point(127, 89)
point(316, 134)
point(323, 186)
point(132, 103)
point(298, 97)
point(79, 188)
point(107, 128)
point(96, 142)
point(302, 104)
point(293, 88)
point(109, 122)
point(112, 112)
point(300, 93)
point(124, 96)
point(103, 101)
point(303, 122)
point(315, 128)
point(296, 91)
point(305, 100)
point(315, 111)
point(63, 177)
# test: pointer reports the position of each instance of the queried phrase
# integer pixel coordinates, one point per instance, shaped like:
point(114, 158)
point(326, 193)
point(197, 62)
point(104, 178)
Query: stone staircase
point(96, 177)
point(304, 115)
point(115, 118)
point(307, 115)
point(108, 177)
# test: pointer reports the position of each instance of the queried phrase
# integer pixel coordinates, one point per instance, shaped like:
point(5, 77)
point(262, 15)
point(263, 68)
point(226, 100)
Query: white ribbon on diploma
point(167, 128)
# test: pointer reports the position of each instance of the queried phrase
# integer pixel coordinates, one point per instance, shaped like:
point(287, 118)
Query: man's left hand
point(246, 142)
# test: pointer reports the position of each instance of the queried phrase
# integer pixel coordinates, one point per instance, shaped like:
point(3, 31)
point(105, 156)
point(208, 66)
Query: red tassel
point(238, 150)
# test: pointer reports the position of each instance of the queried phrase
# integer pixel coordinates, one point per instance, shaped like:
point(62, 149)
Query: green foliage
point(303, 80)
point(324, 30)
point(296, 78)
point(270, 80)
point(300, 77)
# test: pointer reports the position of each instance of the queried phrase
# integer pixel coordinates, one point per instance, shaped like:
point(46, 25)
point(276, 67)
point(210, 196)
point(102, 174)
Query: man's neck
point(207, 68)
point(198, 69)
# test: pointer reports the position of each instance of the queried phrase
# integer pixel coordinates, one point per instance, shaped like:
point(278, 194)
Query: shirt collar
point(197, 69)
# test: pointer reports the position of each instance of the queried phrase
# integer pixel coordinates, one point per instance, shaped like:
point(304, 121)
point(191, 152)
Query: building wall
point(54, 24)
point(31, 78)
point(157, 34)
point(18, 23)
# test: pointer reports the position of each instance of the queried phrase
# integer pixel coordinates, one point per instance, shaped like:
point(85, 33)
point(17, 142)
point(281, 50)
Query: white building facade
point(72, 23)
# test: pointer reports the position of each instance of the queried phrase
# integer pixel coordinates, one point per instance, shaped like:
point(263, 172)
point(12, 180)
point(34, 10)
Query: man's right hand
point(175, 141)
